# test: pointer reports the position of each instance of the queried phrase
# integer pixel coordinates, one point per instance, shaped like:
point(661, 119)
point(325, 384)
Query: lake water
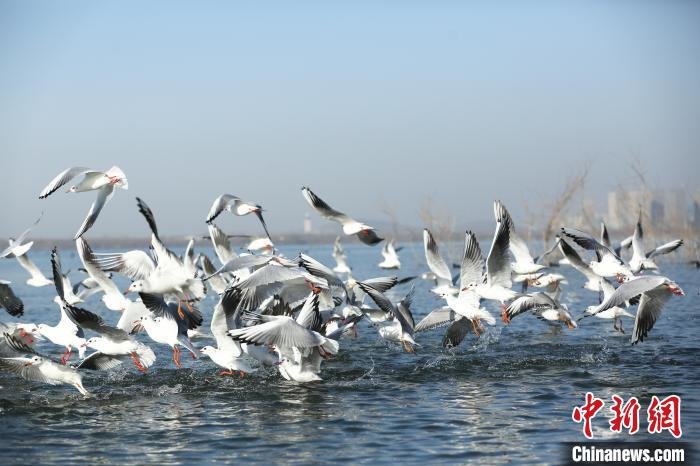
point(505, 397)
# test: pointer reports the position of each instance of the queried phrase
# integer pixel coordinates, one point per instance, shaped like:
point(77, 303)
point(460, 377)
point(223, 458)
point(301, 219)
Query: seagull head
point(675, 289)
point(33, 360)
point(90, 343)
point(470, 286)
point(136, 286)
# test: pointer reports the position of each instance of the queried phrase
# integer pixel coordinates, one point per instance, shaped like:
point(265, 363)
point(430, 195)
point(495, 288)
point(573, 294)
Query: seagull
point(228, 352)
point(298, 341)
point(234, 204)
point(642, 260)
point(166, 324)
point(112, 346)
point(40, 368)
point(18, 249)
point(17, 245)
point(496, 282)
point(340, 258)
point(463, 301)
point(103, 182)
point(167, 275)
point(9, 301)
point(404, 327)
point(608, 264)
point(543, 306)
point(654, 290)
point(65, 333)
point(391, 258)
point(364, 232)
point(616, 312)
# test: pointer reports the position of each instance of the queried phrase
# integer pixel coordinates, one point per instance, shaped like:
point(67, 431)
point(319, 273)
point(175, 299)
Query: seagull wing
point(629, 290)
point(436, 263)
point(665, 248)
point(99, 361)
point(588, 242)
point(104, 194)
point(529, 302)
point(61, 179)
point(89, 320)
point(221, 244)
point(472, 267)
point(324, 209)
point(498, 261)
point(576, 262)
point(437, 318)
point(650, 306)
point(8, 300)
point(281, 331)
point(135, 264)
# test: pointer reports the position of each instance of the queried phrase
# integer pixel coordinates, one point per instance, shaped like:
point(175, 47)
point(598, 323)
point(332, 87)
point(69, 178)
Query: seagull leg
point(407, 347)
point(504, 314)
point(137, 363)
point(179, 309)
point(66, 356)
point(187, 302)
point(194, 356)
point(226, 372)
point(241, 374)
point(474, 327)
point(176, 356)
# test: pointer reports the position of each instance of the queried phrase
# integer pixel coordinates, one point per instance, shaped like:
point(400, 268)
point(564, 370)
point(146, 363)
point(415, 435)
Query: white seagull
point(40, 368)
point(19, 249)
point(103, 182)
point(341, 265)
point(237, 206)
point(496, 283)
point(391, 258)
point(464, 302)
point(227, 353)
point(654, 290)
point(113, 345)
point(364, 232)
point(642, 260)
point(542, 306)
point(65, 333)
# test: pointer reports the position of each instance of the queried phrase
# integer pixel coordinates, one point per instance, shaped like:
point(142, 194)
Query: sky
point(372, 104)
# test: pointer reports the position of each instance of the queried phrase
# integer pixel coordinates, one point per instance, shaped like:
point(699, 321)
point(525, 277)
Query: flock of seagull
point(291, 313)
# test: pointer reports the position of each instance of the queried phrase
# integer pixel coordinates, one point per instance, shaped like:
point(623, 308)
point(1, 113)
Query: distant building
point(660, 208)
point(308, 228)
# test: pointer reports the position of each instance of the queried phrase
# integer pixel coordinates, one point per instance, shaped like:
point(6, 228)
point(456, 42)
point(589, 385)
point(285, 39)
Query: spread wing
point(61, 179)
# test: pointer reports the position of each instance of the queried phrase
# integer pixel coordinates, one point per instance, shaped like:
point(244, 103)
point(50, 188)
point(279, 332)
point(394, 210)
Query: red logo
point(661, 414)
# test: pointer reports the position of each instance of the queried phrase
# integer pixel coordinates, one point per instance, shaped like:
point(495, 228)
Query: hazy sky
point(369, 103)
